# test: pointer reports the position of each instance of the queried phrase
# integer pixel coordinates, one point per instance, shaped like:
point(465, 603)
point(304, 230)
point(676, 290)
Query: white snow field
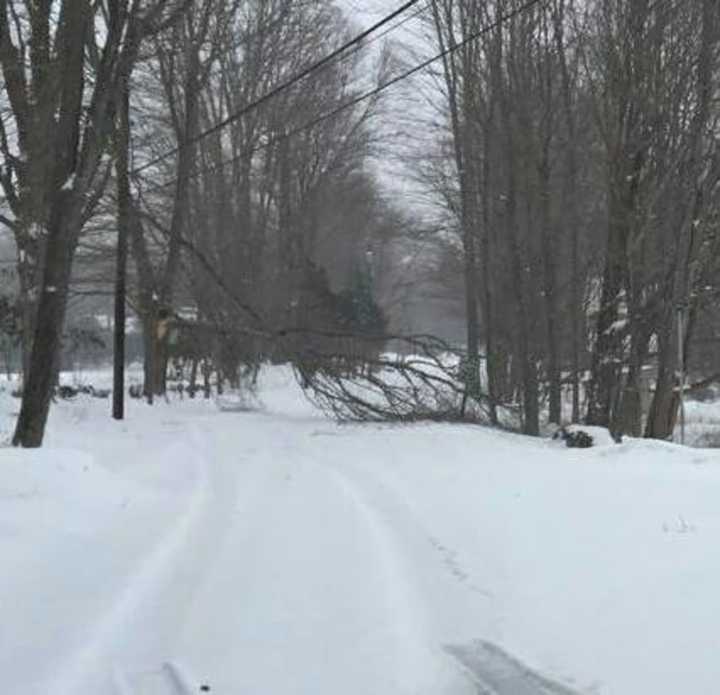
point(191, 550)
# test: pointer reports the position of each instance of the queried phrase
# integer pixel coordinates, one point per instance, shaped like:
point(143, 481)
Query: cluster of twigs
point(421, 380)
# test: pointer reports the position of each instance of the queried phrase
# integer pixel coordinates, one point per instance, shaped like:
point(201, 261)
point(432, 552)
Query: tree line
point(570, 151)
point(109, 115)
point(576, 171)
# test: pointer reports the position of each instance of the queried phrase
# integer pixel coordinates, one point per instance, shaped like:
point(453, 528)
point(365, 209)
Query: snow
point(37, 231)
point(70, 183)
point(702, 424)
point(275, 551)
point(617, 326)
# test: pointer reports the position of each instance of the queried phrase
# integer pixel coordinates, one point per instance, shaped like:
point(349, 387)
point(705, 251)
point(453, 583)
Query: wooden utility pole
point(122, 144)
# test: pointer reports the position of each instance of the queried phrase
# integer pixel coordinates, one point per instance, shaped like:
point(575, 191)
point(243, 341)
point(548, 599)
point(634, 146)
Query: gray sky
point(366, 10)
point(394, 175)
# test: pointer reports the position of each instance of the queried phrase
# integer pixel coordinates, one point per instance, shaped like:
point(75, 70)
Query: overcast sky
point(394, 175)
point(367, 12)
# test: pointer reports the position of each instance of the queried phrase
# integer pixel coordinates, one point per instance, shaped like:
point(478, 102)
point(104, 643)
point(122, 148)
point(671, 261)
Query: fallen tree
point(423, 380)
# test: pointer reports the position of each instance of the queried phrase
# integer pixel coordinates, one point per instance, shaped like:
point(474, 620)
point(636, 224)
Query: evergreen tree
point(359, 312)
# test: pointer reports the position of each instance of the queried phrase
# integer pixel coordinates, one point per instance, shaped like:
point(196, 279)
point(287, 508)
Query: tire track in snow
point(388, 503)
point(490, 669)
point(126, 631)
point(310, 592)
point(399, 513)
point(169, 679)
point(417, 651)
point(498, 673)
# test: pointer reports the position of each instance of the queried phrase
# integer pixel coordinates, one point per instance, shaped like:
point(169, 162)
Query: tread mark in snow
point(498, 673)
point(451, 562)
point(169, 679)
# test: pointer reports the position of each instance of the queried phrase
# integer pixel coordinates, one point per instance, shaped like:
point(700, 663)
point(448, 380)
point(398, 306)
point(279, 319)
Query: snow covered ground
point(276, 552)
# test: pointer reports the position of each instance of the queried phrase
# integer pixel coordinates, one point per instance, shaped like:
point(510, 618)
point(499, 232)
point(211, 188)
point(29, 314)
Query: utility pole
point(122, 145)
point(681, 368)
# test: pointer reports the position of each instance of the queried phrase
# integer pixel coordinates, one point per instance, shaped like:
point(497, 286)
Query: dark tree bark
point(124, 204)
point(550, 295)
point(37, 394)
point(570, 201)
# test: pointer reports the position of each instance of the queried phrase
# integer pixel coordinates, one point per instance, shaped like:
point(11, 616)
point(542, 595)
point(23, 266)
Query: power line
point(373, 40)
point(389, 30)
point(394, 27)
point(326, 60)
point(362, 97)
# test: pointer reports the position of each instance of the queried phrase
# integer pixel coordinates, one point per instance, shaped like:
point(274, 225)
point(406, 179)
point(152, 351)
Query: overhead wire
point(376, 91)
point(283, 86)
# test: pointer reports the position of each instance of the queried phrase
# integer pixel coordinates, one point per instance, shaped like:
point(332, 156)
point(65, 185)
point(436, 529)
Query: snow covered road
point(316, 597)
point(300, 584)
point(278, 553)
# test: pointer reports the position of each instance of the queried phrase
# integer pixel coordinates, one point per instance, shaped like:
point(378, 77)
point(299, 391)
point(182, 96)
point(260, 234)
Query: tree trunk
point(192, 388)
point(37, 394)
point(571, 206)
point(148, 330)
point(663, 407)
point(491, 356)
point(206, 372)
point(161, 357)
point(527, 364)
point(629, 417)
point(124, 204)
point(28, 290)
point(146, 299)
point(460, 95)
point(549, 288)
point(607, 357)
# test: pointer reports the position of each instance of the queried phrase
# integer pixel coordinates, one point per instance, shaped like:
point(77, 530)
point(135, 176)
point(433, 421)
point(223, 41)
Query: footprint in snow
point(680, 526)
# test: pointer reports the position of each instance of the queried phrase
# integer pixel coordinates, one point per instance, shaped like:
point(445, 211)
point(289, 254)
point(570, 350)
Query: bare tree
point(62, 63)
point(651, 89)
